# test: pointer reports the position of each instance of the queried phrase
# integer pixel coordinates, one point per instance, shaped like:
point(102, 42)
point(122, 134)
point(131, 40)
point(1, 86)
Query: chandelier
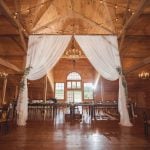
point(144, 75)
point(3, 74)
point(73, 52)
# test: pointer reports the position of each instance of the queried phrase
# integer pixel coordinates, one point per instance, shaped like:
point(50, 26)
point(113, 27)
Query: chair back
point(6, 112)
point(145, 117)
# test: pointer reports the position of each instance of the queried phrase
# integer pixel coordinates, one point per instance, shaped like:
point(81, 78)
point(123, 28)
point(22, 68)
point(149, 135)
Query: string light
point(14, 16)
point(110, 4)
point(129, 9)
point(133, 13)
point(116, 6)
point(101, 1)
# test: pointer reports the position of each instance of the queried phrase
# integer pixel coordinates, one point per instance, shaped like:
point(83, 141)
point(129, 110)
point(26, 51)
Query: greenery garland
point(124, 83)
point(26, 72)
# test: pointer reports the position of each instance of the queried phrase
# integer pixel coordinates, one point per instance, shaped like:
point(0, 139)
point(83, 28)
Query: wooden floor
point(75, 135)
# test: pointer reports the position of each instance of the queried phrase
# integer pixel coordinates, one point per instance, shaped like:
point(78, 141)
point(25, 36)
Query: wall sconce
point(144, 75)
point(3, 74)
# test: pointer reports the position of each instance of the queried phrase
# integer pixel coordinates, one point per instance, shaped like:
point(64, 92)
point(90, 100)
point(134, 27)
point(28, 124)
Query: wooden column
point(16, 92)
point(4, 90)
point(102, 89)
point(45, 89)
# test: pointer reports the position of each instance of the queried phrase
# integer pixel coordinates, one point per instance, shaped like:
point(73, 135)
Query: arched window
point(74, 91)
point(73, 76)
point(73, 80)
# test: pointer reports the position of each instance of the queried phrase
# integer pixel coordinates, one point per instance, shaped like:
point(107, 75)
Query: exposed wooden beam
point(47, 24)
point(93, 23)
point(12, 18)
point(17, 42)
point(40, 12)
point(126, 11)
point(74, 14)
point(144, 62)
point(9, 65)
point(134, 17)
point(17, 2)
point(129, 22)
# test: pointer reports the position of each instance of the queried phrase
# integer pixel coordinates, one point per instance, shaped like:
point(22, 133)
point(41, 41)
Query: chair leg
point(146, 130)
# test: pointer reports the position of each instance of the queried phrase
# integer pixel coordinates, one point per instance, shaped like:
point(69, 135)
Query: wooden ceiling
point(128, 19)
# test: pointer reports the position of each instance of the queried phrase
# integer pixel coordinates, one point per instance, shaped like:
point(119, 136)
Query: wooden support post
point(102, 89)
point(4, 90)
point(45, 89)
point(16, 92)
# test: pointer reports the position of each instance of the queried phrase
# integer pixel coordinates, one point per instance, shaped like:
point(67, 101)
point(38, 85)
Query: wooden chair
point(5, 119)
point(146, 123)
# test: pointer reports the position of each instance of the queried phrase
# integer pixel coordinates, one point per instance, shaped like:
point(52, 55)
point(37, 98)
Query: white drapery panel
point(102, 52)
point(43, 54)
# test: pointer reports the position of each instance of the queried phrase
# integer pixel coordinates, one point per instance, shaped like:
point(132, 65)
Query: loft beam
point(40, 12)
point(130, 22)
point(11, 19)
point(143, 63)
point(9, 65)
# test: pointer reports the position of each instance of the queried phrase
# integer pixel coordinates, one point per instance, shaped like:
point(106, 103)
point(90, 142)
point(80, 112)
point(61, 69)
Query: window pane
point(70, 96)
point(59, 90)
point(78, 84)
point(73, 84)
point(68, 85)
point(88, 91)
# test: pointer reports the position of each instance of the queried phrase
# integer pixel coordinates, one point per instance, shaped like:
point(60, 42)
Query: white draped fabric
point(45, 51)
point(102, 52)
point(43, 54)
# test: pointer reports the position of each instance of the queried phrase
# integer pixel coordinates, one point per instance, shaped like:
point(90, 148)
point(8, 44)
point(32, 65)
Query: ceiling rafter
point(143, 63)
point(126, 12)
point(17, 42)
point(74, 14)
point(12, 19)
point(23, 41)
point(47, 24)
point(9, 65)
point(21, 29)
point(40, 12)
point(130, 21)
point(92, 22)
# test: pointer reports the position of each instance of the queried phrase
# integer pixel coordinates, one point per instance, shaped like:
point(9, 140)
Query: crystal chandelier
point(144, 75)
point(73, 52)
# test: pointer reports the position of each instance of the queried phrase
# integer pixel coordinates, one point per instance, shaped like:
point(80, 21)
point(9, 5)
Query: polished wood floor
point(58, 134)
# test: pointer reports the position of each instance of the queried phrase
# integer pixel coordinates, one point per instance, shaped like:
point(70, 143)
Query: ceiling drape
point(102, 51)
point(43, 53)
